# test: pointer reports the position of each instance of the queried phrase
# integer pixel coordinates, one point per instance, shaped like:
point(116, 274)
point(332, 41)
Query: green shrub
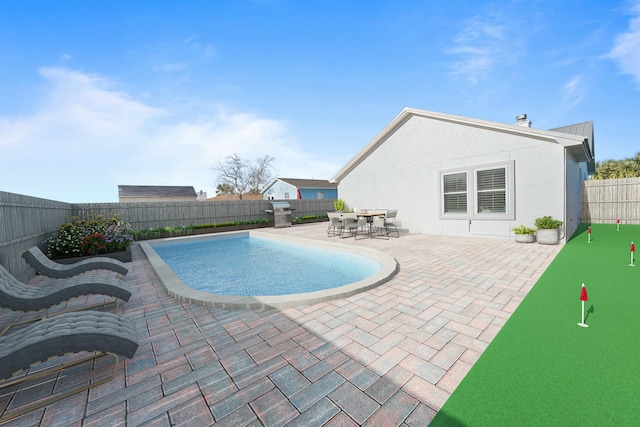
point(92, 235)
point(523, 229)
point(338, 204)
point(547, 223)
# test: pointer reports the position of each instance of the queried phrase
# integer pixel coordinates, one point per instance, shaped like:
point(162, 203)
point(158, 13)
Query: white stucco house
point(454, 175)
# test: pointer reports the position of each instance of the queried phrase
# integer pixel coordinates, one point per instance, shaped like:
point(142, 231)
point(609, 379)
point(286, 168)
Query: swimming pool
point(179, 272)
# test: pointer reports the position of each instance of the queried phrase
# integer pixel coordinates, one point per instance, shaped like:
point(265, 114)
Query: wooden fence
point(27, 221)
point(604, 201)
point(143, 216)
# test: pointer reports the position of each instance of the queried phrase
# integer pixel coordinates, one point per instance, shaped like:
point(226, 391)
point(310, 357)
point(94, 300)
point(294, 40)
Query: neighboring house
point(290, 188)
point(156, 193)
point(453, 175)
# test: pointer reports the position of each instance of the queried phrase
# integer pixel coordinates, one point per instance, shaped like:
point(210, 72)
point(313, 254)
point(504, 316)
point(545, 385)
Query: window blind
point(455, 193)
point(491, 186)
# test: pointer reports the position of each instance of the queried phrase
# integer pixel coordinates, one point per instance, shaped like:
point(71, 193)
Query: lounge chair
point(45, 266)
point(19, 296)
point(88, 331)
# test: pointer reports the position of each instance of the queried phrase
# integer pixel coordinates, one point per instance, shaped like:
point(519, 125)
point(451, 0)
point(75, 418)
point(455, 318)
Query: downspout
point(564, 193)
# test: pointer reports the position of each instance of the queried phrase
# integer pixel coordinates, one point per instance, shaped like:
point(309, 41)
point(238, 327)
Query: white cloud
point(626, 51)
point(482, 45)
point(573, 92)
point(87, 136)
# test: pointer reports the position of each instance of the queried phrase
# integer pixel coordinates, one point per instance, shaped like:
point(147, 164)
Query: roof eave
point(565, 140)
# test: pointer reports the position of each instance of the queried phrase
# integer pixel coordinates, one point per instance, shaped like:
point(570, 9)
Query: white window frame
point(442, 191)
point(472, 193)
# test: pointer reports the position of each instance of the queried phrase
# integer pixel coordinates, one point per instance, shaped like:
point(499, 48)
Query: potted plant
point(547, 233)
point(524, 234)
point(338, 205)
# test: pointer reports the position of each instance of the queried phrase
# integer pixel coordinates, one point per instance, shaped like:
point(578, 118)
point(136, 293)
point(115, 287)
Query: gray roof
point(584, 129)
point(309, 183)
point(156, 191)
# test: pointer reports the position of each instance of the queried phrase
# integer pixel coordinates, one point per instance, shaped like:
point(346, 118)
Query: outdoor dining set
point(368, 223)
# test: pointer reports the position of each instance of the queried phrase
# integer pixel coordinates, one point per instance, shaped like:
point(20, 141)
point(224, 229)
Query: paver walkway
point(390, 356)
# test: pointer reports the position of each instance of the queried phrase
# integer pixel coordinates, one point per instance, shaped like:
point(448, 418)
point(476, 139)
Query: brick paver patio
point(390, 356)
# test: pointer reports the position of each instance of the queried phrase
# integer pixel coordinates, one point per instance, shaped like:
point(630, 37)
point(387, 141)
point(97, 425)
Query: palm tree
point(612, 169)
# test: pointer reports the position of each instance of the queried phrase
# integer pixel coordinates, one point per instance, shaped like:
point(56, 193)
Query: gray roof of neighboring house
point(308, 183)
point(156, 191)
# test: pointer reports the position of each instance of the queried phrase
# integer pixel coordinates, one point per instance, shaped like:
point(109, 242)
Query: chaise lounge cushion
point(67, 333)
point(47, 267)
point(19, 296)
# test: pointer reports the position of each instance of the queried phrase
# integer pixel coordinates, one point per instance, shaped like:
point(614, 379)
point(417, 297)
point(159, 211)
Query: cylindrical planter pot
point(547, 237)
point(525, 238)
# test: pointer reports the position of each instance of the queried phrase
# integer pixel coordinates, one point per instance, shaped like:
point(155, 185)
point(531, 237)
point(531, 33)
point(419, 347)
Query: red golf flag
point(618, 220)
point(633, 247)
point(583, 295)
point(589, 231)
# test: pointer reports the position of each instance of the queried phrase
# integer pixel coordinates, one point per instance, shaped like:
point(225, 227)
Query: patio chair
point(389, 222)
point(351, 222)
point(45, 266)
point(335, 224)
point(90, 331)
point(379, 227)
point(18, 296)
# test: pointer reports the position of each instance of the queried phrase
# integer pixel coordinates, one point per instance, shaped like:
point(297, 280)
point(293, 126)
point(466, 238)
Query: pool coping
point(177, 289)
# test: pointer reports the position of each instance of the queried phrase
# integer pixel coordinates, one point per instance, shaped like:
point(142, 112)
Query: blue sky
point(99, 94)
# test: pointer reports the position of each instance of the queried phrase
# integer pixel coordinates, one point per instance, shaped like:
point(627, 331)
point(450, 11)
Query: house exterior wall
point(576, 173)
point(281, 191)
point(280, 188)
point(312, 193)
point(404, 173)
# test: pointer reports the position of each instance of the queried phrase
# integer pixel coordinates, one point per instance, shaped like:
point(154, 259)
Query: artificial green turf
point(544, 369)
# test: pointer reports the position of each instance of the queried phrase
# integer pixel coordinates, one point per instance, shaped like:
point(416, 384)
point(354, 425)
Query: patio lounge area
point(389, 356)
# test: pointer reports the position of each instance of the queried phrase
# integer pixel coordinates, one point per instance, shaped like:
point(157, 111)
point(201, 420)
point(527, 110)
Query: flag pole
point(633, 249)
point(583, 298)
point(589, 234)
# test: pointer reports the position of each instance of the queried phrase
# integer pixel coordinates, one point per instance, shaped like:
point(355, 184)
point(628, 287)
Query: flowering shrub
point(93, 235)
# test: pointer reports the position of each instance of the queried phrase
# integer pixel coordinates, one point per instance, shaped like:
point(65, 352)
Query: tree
point(239, 176)
point(260, 174)
point(224, 189)
point(611, 169)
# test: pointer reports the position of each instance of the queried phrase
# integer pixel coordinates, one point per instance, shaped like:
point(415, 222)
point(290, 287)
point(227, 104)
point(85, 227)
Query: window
point(286, 195)
point(455, 193)
point(492, 191)
point(320, 195)
point(478, 192)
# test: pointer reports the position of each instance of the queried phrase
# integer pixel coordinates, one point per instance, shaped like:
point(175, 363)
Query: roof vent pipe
point(521, 120)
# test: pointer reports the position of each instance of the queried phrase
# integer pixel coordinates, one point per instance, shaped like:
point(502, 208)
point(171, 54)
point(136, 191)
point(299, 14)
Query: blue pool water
point(251, 266)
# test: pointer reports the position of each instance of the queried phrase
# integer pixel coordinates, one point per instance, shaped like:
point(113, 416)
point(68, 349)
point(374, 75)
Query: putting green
point(544, 369)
